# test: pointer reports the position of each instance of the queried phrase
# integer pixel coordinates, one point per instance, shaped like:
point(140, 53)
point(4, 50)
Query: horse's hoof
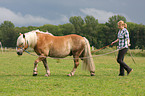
point(46, 75)
point(34, 74)
point(92, 74)
point(69, 75)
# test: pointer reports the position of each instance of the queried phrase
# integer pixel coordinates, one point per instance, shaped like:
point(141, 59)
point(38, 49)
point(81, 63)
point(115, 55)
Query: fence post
point(1, 47)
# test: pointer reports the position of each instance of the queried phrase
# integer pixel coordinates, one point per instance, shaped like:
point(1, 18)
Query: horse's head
point(22, 44)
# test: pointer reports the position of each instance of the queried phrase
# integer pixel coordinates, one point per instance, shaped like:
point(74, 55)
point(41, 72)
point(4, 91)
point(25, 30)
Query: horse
point(46, 45)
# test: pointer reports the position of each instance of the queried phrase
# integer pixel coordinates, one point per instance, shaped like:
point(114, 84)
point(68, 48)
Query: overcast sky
point(40, 12)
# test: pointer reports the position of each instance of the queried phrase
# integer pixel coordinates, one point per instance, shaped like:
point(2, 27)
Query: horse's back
point(72, 39)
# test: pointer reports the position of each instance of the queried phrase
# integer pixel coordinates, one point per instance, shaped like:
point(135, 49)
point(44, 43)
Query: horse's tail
point(88, 63)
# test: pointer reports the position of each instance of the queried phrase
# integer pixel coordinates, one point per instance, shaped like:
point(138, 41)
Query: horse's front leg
point(76, 63)
point(46, 67)
point(36, 64)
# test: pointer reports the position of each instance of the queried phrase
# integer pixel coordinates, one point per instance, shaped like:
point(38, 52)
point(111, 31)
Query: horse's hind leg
point(76, 63)
point(46, 67)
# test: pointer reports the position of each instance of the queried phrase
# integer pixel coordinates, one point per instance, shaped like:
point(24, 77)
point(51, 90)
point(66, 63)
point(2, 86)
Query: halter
point(23, 48)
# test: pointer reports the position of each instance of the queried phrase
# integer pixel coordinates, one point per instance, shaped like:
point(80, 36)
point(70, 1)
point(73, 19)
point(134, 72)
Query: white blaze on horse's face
point(20, 44)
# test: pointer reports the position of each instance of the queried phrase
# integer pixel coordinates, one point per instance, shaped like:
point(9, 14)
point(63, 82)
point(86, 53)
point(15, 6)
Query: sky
point(40, 12)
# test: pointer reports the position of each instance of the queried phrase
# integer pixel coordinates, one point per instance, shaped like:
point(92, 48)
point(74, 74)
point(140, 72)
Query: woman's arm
point(128, 41)
point(115, 41)
point(127, 36)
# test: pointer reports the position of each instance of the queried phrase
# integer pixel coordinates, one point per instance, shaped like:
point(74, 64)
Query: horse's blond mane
point(42, 32)
point(31, 37)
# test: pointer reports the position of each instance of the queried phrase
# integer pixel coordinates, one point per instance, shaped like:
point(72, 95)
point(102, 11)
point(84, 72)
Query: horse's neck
point(32, 39)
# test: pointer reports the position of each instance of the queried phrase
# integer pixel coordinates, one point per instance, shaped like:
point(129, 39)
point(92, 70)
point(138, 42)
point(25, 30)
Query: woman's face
point(120, 25)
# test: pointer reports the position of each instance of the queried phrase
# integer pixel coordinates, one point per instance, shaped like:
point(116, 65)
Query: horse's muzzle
point(19, 52)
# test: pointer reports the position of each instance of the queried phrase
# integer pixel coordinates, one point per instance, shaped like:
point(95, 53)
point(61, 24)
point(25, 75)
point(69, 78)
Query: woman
point(124, 42)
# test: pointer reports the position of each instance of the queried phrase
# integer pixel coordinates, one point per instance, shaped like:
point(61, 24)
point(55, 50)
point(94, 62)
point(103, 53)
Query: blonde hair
point(121, 22)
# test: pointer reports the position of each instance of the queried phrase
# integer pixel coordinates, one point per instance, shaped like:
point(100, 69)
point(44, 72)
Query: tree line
point(98, 34)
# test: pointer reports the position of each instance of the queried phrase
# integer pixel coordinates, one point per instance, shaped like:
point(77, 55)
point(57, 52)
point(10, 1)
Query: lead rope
point(131, 56)
point(73, 58)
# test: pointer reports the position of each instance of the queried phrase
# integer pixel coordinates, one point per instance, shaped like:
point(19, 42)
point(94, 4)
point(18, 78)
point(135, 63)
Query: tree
point(103, 36)
point(91, 22)
point(8, 34)
point(50, 28)
point(22, 29)
point(140, 38)
point(90, 29)
point(112, 22)
point(66, 29)
point(133, 33)
point(78, 22)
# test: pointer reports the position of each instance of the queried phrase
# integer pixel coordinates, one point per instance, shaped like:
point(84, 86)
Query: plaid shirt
point(123, 36)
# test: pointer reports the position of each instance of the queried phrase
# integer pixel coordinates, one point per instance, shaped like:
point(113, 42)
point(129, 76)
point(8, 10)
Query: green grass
point(16, 77)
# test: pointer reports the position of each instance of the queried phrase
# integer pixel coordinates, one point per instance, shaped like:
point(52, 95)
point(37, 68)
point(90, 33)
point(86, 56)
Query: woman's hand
point(112, 43)
point(129, 44)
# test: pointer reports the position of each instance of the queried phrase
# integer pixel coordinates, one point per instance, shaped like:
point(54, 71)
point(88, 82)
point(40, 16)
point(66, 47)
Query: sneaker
point(121, 75)
point(129, 72)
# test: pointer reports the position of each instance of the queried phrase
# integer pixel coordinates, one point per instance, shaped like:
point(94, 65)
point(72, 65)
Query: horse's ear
point(20, 33)
point(23, 35)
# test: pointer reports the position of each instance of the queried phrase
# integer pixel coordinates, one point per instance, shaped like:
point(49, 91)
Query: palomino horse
point(45, 44)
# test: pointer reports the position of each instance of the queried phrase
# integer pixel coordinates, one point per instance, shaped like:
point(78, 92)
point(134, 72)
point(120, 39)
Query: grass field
point(16, 77)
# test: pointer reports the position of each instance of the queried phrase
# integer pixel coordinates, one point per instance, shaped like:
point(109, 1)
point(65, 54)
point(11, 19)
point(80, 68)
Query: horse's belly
point(61, 49)
point(60, 54)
